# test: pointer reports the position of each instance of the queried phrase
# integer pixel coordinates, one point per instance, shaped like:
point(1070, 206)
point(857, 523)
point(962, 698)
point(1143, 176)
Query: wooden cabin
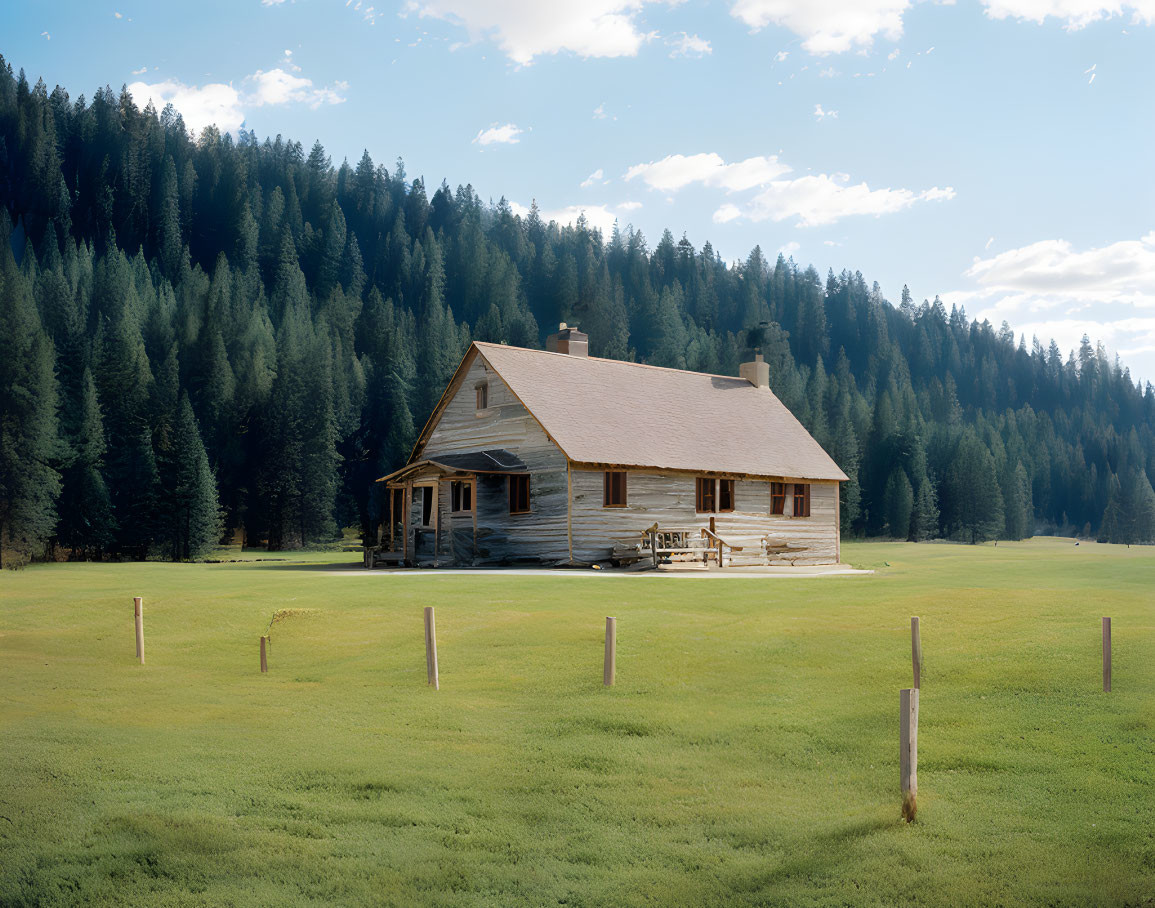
point(555, 457)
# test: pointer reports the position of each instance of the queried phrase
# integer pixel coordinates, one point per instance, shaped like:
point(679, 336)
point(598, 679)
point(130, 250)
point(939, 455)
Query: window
point(461, 497)
point(801, 499)
point(725, 494)
point(519, 494)
point(483, 395)
point(704, 499)
point(424, 495)
point(777, 498)
point(614, 489)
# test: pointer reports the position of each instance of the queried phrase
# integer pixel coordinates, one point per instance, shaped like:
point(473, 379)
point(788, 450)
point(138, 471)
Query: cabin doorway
point(423, 519)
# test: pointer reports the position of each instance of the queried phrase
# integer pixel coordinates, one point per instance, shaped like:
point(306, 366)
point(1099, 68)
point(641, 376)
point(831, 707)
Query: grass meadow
point(747, 756)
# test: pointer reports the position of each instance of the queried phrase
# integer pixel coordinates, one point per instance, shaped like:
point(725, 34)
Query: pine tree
point(86, 525)
point(29, 443)
point(899, 502)
point(193, 524)
point(973, 502)
point(924, 518)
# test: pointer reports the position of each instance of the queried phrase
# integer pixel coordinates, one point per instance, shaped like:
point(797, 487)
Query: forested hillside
point(209, 337)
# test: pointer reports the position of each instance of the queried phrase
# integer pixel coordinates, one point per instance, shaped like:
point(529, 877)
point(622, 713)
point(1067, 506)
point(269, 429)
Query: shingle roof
point(606, 411)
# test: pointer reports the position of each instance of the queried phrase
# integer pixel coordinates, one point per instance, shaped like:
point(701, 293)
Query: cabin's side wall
point(542, 534)
point(668, 499)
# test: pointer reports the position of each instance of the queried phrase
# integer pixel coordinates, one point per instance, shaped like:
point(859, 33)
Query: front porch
point(433, 506)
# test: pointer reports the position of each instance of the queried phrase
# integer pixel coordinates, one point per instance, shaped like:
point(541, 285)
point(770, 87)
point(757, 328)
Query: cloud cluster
point(1074, 14)
point(814, 200)
point(1050, 289)
point(1120, 272)
point(507, 134)
point(827, 26)
point(525, 29)
point(684, 45)
point(599, 217)
point(222, 105)
point(677, 171)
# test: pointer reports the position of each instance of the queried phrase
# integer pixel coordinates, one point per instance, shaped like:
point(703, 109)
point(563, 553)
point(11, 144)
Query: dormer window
point(483, 396)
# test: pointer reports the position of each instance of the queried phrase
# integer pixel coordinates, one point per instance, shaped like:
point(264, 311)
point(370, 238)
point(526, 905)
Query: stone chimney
point(568, 340)
point(757, 372)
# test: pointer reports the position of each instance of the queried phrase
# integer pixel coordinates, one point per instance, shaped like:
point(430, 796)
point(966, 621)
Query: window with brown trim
point(614, 489)
point(461, 496)
point(483, 395)
point(725, 494)
point(777, 498)
point(519, 493)
point(801, 499)
point(704, 500)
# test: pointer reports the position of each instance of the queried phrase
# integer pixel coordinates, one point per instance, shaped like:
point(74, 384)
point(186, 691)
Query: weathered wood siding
point(668, 499)
point(540, 535)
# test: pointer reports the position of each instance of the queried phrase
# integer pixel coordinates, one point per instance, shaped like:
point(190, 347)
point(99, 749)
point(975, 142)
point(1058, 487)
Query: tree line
point(215, 338)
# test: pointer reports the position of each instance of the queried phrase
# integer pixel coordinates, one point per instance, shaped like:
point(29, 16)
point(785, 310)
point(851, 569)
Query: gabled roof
point(604, 411)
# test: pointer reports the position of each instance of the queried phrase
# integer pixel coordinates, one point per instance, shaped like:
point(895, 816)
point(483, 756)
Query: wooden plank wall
point(541, 535)
point(668, 499)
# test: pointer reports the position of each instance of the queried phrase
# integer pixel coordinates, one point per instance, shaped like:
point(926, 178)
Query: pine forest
point(215, 338)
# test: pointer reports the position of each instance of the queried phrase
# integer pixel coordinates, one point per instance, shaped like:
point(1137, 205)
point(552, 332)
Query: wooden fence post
point(916, 651)
point(138, 610)
point(1107, 655)
point(908, 751)
point(431, 648)
point(609, 669)
point(264, 658)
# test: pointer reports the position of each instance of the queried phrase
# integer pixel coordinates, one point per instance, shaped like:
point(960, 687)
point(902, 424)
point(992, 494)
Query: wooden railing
point(720, 544)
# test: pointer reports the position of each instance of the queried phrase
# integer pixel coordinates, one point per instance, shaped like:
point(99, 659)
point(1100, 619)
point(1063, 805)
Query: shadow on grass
point(814, 857)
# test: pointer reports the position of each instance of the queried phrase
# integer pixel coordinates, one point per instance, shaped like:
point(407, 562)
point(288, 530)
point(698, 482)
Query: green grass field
point(747, 755)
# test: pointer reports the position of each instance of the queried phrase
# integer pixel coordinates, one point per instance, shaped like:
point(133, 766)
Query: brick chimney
point(757, 372)
point(568, 340)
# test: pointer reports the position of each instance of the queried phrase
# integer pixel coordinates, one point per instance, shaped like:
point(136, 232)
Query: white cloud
point(223, 105)
point(600, 112)
point(814, 200)
point(685, 45)
point(1052, 290)
point(599, 217)
point(279, 87)
point(509, 134)
point(677, 171)
point(824, 199)
point(596, 177)
point(46, 36)
point(893, 55)
point(727, 213)
point(137, 72)
point(781, 56)
point(118, 15)
point(820, 114)
point(629, 206)
point(525, 29)
point(272, 2)
point(827, 26)
point(1074, 14)
point(199, 105)
point(789, 249)
point(1121, 272)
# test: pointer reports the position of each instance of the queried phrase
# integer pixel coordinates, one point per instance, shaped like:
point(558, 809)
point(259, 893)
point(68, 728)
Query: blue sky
point(996, 152)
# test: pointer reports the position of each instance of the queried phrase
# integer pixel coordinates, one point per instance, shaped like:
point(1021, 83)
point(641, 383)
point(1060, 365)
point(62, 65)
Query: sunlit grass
point(747, 755)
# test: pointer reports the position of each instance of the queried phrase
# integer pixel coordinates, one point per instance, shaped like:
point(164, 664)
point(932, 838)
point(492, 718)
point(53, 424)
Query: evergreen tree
point(29, 448)
point(899, 504)
point(973, 502)
point(192, 516)
point(86, 525)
